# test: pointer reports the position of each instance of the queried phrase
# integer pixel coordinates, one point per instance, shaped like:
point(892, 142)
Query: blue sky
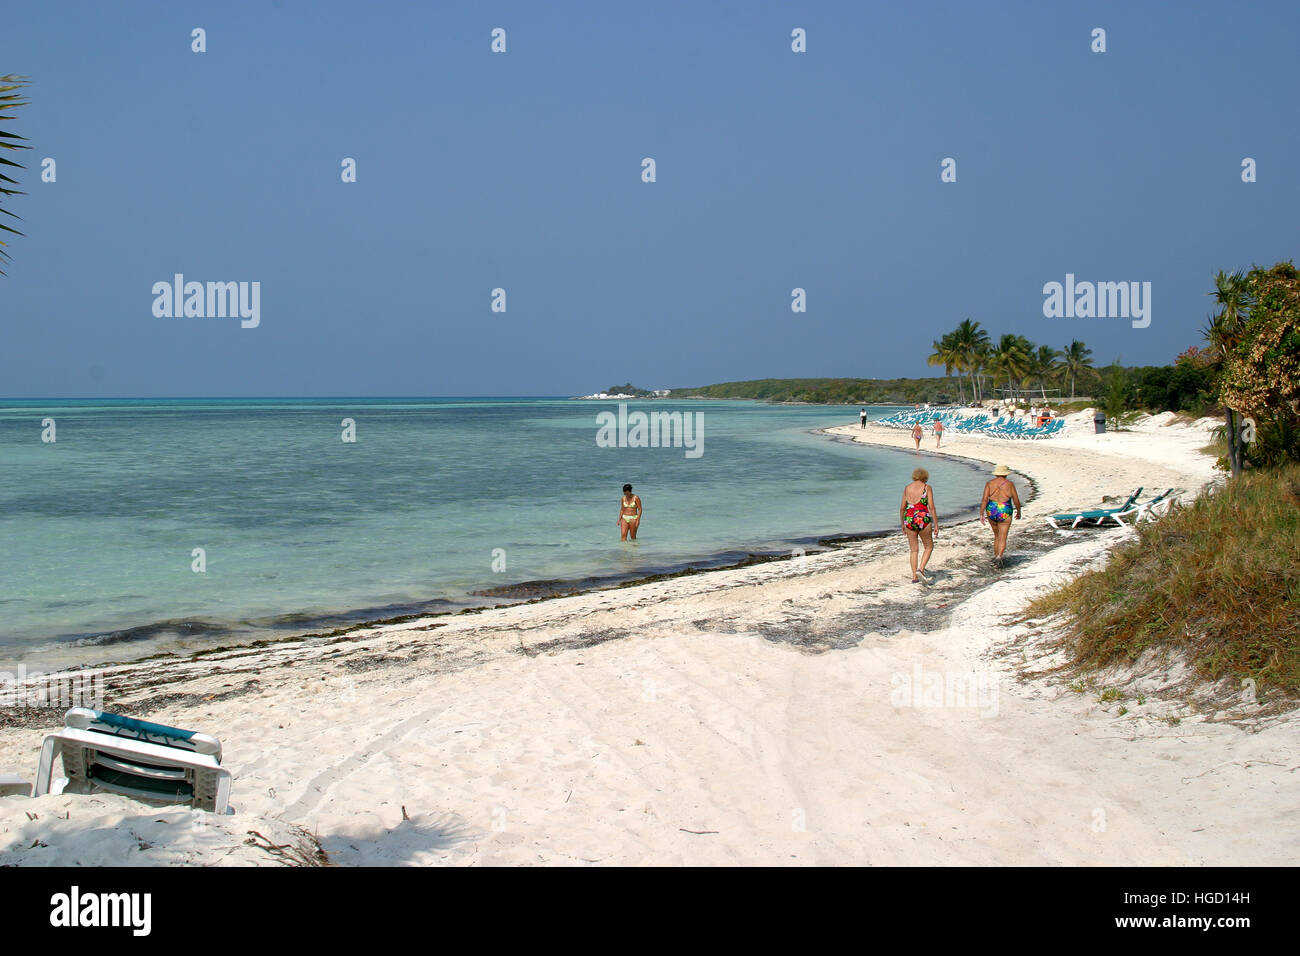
point(522, 171)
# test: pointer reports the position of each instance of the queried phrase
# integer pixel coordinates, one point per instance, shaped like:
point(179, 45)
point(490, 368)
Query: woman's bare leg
point(911, 544)
point(631, 528)
point(622, 530)
point(927, 536)
point(1000, 538)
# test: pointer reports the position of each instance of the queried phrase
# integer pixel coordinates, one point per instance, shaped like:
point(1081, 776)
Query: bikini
point(999, 511)
point(630, 518)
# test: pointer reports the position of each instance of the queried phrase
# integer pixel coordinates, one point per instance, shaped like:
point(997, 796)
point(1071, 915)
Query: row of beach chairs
point(991, 427)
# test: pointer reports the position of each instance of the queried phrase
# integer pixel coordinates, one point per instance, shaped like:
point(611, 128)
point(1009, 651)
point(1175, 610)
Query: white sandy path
point(611, 753)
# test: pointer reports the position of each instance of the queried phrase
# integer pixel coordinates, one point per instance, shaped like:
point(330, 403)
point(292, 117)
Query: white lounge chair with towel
point(136, 758)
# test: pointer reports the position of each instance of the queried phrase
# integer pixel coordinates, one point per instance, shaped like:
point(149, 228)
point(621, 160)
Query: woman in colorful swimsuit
point(920, 521)
point(629, 514)
point(995, 510)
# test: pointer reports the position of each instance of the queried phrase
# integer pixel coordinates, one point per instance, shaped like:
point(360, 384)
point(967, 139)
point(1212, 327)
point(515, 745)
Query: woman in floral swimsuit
point(920, 521)
point(995, 509)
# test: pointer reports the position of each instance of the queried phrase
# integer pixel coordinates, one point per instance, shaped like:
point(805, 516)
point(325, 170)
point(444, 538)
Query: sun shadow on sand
point(417, 841)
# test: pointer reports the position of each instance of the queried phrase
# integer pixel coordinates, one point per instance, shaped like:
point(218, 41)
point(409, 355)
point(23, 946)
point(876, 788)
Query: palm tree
point(1224, 335)
point(946, 354)
point(978, 362)
point(969, 341)
point(1043, 367)
point(1009, 361)
point(10, 100)
point(1078, 363)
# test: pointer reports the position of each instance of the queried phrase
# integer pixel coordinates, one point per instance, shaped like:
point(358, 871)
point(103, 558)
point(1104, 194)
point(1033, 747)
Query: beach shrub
point(1185, 386)
point(1217, 581)
point(1117, 397)
point(1261, 375)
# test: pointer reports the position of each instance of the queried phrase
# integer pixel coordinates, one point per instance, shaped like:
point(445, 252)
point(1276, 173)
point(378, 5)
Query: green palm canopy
point(11, 98)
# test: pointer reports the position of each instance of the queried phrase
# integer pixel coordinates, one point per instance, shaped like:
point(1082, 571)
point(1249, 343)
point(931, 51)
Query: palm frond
point(11, 97)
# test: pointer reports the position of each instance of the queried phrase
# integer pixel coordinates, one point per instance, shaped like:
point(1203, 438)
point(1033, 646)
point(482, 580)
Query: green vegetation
point(1115, 399)
point(1224, 334)
point(1015, 366)
point(10, 99)
point(962, 351)
point(1076, 365)
point(1250, 371)
point(1259, 379)
point(1218, 581)
point(629, 389)
point(1254, 360)
point(832, 391)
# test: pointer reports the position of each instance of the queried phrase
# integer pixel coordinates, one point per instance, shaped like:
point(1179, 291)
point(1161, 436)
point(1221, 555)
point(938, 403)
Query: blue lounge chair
point(1147, 510)
point(1096, 516)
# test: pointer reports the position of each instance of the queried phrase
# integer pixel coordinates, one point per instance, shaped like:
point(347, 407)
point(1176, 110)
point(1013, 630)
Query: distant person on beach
point(920, 521)
point(629, 514)
point(863, 416)
point(995, 509)
point(938, 433)
point(917, 434)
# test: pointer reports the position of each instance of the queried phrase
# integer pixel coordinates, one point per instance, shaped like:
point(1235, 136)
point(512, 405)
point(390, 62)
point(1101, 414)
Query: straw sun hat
point(1001, 470)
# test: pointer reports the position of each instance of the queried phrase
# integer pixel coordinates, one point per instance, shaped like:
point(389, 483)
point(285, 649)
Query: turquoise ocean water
point(436, 499)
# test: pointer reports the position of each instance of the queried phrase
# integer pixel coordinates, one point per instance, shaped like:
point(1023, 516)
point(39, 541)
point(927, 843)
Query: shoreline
point(838, 433)
point(325, 625)
point(565, 588)
point(612, 727)
point(875, 435)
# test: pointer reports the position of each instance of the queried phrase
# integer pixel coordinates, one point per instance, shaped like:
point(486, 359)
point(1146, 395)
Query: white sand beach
point(757, 715)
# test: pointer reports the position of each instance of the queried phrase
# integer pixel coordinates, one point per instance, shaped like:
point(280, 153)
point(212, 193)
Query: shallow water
point(436, 499)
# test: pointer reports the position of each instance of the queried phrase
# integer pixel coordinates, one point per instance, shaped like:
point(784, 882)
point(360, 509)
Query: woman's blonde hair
point(920, 474)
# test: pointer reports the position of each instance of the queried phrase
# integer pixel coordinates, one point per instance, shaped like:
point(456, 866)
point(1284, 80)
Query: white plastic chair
point(135, 758)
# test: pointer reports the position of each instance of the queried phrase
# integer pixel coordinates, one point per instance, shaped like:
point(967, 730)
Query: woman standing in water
point(995, 509)
point(629, 514)
point(920, 521)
